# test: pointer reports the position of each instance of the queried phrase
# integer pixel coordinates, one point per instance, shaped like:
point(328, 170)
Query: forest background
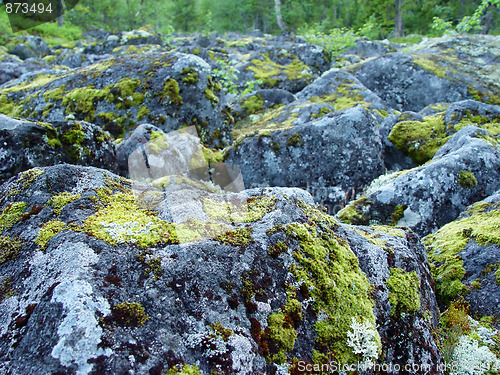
point(373, 19)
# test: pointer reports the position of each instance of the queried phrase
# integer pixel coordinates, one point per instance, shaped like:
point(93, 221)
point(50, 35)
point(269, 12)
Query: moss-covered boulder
point(342, 90)
point(25, 145)
point(278, 285)
point(428, 75)
point(330, 156)
point(465, 258)
point(420, 138)
point(169, 90)
point(465, 170)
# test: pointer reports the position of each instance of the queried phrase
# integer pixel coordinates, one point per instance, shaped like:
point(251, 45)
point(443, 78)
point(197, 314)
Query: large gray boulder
point(25, 145)
point(168, 90)
point(337, 153)
point(93, 283)
point(465, 170)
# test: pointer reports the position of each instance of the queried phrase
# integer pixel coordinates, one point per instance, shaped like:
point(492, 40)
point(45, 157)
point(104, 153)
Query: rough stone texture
point(118, 94)
point(366, 48)
point(206, 301)
point(431, 194)
point(409, 82)
point(29, 46)
point(336, 153)
point(25, 145)
point(11, 69)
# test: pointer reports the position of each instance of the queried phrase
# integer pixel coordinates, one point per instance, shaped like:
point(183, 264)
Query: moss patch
point(24, 181)
point(329, 271)
point(294, 140)
point(129, 314)
point(6, 289)
point(426, 63)
point(404, 295)
point(9, 248)
point(253, 104)
point(190, 76)
point(184, 370)
point(11, 215)
point(466, 179)
point(171, 92)
point(249, 211)
point(420, 140)
point(356, 212)
point(270, 73)
point(239, 237)
point(445, 245)
point(47, 231)
point(59, 201)
point(122, 221)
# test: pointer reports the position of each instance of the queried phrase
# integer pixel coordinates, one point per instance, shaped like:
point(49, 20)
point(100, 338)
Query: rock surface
point(245, 301)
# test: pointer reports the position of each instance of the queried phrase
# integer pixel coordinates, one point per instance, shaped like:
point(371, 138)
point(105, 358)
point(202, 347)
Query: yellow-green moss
point(11, 215)
point(83, 100)
point(466, 179)
point(171, 91)
point(426, 63)
point(253, 104)
point(344, 97)
point(239, 237)
point(269, 72)
point(322, 112)
point(195, 230)
point(277, 249)
point(6, 289)
point(24, 181)
point(157, 142)
point(129, 314)
point(142, 113)
point(294, 140)
point(248, 211)
point(329, 271)
point(282, 334)
point(389, 230)
point(209, 94)
point(404, 291)
point(374, 238)
point(9, 248)
point(355, 212)
point(398, 214)
point(60, 200)
point(420, 140)
point(184, 370)
point(190, 76)
point(122, 221)
point(47, 231)
point(445, 245)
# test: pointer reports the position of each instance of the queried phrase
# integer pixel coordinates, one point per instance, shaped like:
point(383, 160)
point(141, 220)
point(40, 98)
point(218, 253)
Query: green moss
point(406, 39)
point(389, 230)
point(195, 230)
point(356, 212)
point(9, 248)
point(249, 211)
point(47, 231)
point(497, 276)
point(123, 93)
point(129, 314)
point(344, 97)
point(279, 333)
point(239, 237)
point(445, 245)
point(294, 140)
point(209, 94)
point(426, 63)
point(322, 112)
point(59, 201)
point(190, 76)
point(72, 140)
point(171, 91)
point(122, 221)
point(420, 140)
point(329, 271)
point(220, 331)
point(269, 72)
point(476, 284)
point(6, 289)
point(253, 104)
point(54, 94)
point(374, 238)
point(24, 181)
point(184, 370)
point(277, 249)
point(157, 142)
point(142, 113)
point(275, 146)
point(398, 214)
point(404, 294)
point(212, 156)
point(466, 179)
point(11, 215)
point(83, 100)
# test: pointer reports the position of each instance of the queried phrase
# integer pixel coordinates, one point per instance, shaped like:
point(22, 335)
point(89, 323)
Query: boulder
point(25, 145)
point(280, 287)
point(465, 258)
point(465, 170)
point(410, 82)
point(168, 90)
point(337, 153)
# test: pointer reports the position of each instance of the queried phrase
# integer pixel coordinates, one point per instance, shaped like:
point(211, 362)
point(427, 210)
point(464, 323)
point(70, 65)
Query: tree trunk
point(398, 19)
point(60, 18)
point(279, 18)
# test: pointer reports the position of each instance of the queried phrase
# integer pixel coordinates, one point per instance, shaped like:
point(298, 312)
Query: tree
point(279, 18)
point(398, 19)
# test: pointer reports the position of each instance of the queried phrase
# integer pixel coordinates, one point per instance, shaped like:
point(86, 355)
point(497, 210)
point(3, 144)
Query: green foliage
point(335, 42)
